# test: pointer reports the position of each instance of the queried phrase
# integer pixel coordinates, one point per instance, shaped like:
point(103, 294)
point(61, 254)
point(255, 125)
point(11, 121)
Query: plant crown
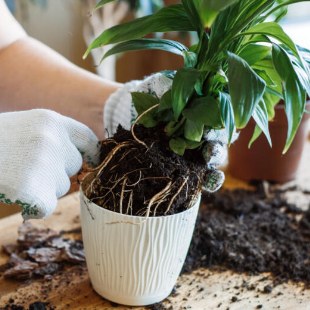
point(241, 67)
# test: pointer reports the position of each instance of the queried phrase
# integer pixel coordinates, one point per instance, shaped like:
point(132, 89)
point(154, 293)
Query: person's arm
point(34, 76)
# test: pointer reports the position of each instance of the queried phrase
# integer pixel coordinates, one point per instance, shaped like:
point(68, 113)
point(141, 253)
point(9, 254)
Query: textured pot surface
point(133, 260)
point(261, 162)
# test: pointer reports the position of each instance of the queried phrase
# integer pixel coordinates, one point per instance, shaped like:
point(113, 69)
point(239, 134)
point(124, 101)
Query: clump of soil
point(245, 231)
point(146, 178)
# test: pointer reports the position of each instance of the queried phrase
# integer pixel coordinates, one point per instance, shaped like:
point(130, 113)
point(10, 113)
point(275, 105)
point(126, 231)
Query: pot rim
point(82, 196)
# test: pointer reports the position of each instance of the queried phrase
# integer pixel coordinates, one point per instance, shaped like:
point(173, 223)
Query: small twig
point(175, 195)
point(137, 119)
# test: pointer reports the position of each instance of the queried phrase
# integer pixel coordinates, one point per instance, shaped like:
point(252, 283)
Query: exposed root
point(137, 119)
point(175, 195)
point(122, 197)
point(129, 206)
point(157, 196)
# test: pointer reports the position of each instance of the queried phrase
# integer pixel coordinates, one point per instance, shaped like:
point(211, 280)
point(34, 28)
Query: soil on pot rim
point(137, 178)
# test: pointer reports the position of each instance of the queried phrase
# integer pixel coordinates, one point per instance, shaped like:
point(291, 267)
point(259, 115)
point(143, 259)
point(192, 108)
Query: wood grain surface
point(203, 289)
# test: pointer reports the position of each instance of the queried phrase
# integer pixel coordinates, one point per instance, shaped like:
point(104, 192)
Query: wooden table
point(203, 289)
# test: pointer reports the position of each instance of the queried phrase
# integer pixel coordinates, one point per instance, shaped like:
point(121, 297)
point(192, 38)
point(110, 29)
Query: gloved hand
point(39, 151)
point(119, 109)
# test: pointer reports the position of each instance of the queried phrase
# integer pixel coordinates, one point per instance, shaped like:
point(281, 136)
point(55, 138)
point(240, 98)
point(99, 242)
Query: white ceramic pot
point(133, 260)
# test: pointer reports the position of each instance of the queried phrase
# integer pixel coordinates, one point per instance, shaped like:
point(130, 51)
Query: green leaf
point(260, 116)
point(190, 59)
point(246, 89)
point(193, 144)
point(171, 18)
point(101, 4)
point(174, 127)
point(273, 30)
point(270, 102)
point(192, 14)
point(205, 111)
point(178, 146)
point(293, 92)
point(209, 9)
point(253, 53)
point(143, 102)
point(168, 73)
point(147, 44)
point(166, 100)
point(182, 88)
point(281, 5)
point(227, 114)
point(218, 31)
point(256, 134)
point(264, 75)
point(193, 131)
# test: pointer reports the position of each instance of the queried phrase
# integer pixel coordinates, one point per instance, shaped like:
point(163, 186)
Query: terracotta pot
point(261, 162)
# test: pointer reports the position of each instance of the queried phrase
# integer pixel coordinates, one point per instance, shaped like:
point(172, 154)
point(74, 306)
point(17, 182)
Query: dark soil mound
point(246, 232)
point(136, 174)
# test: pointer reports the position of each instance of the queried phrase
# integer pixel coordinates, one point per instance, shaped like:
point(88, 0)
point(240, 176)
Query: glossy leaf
point(260, 116)
point(293, 92)
point(190, 58)
point(166, 100)
point(264, 75)
point(227, 114)
point(169, 73)
point(205, 111)
point(253, 53)
point(182, 88)
point(171, 18)
point(193, 131)
point(147, 44)
point(257, 132)
point(275, 31)
point(270, 101)
point(209, 9)
point(193, 144)
point(192, 14)
point(143, 102)
point(246, 89)
point(178, 146)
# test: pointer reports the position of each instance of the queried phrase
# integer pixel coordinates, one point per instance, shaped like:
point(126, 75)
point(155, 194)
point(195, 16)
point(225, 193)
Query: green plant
point(241, 67)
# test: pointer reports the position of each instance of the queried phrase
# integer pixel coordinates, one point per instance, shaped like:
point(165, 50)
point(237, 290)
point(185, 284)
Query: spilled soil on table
point(245, 231)
point(134, 178)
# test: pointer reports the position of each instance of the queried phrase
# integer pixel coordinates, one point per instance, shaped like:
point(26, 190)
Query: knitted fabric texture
point(40, 151)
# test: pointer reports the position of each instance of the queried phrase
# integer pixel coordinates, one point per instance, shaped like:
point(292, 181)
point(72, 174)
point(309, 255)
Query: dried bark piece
point(21, 271)
point(73, 252)
point(45, 255)
point(15, 260)
point(10, 248)
point(31, 236)
point(49, 269)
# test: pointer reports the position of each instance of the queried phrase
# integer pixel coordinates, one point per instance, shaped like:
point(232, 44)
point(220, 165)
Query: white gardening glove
point(40, 150)
point(119, 109)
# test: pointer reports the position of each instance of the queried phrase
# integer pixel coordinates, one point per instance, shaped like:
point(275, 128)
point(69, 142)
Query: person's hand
point(40, 150)
point(119, 109)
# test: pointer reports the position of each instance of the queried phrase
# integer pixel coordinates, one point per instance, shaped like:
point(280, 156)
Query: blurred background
point(68, 27)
